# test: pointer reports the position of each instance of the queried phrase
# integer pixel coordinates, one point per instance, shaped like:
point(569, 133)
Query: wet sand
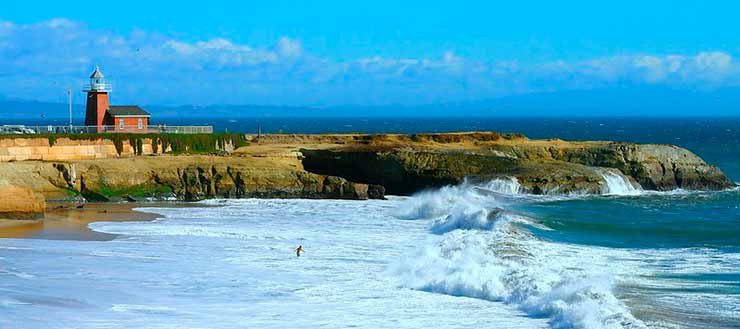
point(67, 222)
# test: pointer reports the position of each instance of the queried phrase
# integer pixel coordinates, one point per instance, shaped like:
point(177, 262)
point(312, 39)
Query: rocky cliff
point(20, 202)
point(192, 177)
point(337, 166)
point(541, 167)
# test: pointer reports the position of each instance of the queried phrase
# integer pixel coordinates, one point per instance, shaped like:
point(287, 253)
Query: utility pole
point(69, 99)
point(259, 132)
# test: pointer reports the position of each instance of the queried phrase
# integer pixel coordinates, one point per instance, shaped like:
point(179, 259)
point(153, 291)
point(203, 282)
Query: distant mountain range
point(606, 102)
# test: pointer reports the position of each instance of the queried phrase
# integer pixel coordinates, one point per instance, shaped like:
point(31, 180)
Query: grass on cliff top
point(177, 143)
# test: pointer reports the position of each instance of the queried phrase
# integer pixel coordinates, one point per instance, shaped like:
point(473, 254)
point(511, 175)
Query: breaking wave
point(617, 183)
point(436, 203)
point(507, 185)
point(480, 250)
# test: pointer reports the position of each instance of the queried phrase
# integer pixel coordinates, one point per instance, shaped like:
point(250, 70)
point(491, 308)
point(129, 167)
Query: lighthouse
point(97, 100)
point(103, 117)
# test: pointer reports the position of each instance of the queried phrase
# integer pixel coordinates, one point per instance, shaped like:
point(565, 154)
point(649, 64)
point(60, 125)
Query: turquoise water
point(639, 260)
point(697, 285)
point(670, 220)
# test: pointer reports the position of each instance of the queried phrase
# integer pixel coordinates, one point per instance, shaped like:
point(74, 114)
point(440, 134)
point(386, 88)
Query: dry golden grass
point(288, 145)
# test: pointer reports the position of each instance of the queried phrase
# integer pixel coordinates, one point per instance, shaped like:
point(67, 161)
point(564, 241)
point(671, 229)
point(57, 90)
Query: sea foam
point(617, 183)
point(438, 203)
point(482, 251)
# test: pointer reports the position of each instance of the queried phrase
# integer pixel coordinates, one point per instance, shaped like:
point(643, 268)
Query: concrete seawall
point(64, 149)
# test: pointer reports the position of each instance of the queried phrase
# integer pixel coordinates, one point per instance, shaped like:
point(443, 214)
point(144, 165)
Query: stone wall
point(64, 149)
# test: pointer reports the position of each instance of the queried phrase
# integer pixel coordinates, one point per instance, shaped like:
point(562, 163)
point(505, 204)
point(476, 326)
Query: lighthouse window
point(141, 124)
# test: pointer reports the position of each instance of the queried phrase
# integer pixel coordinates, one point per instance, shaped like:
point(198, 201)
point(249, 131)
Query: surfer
point(299, 250)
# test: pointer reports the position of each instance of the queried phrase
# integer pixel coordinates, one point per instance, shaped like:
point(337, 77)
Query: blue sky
point(328, 53)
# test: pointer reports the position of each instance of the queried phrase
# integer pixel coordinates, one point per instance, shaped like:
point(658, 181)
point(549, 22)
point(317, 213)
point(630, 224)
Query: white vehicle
point(16, 129)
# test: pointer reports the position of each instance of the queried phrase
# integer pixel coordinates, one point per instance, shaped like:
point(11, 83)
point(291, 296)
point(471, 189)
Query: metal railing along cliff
point(152, 129)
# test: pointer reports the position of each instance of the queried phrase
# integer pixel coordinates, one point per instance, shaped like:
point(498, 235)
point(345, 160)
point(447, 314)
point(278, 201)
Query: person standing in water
point(299, 250)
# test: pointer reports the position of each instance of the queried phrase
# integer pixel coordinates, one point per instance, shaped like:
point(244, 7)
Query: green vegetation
point(93, 196)
point(135, 191)
point(174, 143)
point(71, 192)
point(198, 143)
point(137, 145)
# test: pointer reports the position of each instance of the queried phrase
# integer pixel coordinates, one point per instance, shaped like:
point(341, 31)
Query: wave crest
point(439, 203)
point(481, 251)
point(467, 217)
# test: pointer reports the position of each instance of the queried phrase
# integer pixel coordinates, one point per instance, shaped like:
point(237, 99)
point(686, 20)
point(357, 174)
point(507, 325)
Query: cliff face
point(406, 172)
point(19, 202)
point(197, 177)
point(403, 172)
point(26, 186)
point(655, 167)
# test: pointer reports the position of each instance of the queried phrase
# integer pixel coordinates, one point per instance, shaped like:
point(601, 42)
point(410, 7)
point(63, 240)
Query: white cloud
point(57, 23)
point(152, 68)
point(289, 48)
point(6, 28)
point(713, 61)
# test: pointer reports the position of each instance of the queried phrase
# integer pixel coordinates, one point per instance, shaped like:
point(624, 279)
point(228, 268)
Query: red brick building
point(130, 118)
point(107, 118)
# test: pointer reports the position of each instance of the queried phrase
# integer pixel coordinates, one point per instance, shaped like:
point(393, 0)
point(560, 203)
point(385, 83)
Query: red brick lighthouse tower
point(97, 100)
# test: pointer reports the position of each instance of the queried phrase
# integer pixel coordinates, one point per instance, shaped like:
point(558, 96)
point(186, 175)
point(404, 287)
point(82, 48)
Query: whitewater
point(474, 255)
point(234, 267)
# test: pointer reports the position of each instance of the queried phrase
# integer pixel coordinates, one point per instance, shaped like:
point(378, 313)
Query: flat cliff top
point(472, 142)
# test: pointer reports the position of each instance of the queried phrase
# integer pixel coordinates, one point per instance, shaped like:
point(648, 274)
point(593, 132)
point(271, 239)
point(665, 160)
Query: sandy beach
point(68, 222)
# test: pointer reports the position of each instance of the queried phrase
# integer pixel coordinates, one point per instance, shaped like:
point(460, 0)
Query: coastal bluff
point(539, 166)
point(34, 171)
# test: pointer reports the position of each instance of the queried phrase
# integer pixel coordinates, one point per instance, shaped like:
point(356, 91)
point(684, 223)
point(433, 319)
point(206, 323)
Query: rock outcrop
point(406, 172)
point(338, 166)
point(20, 202)
point(190, 178)
point(541, 167)
point(655, 167)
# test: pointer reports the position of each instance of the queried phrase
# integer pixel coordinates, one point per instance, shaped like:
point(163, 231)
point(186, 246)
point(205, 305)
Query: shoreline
point(64, 221)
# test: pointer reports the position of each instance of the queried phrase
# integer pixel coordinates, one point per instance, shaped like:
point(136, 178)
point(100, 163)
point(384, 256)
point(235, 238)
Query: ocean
point(478, 255)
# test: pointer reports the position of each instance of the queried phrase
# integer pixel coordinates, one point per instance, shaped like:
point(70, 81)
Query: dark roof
point(127, 110)
point(96, 74)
